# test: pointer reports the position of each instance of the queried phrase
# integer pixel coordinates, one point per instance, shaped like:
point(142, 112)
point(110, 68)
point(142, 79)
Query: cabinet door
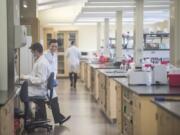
point(176, 123)
point(48, 35)
point(111, 102)
point(7, 119)
point(96, 85)
point(119, 107)
point(61, 64)
point(89, 77)
point(61, 41)
point(92, 80)
point(107, 98)
point(136, 115)
point(165, 123)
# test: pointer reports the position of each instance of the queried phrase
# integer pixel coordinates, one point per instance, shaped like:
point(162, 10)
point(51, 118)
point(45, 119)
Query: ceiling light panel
point(121, 4)
point(111, 9)
point(117, 1)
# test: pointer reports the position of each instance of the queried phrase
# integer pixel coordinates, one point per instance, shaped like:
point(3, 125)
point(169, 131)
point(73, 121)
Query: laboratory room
point(90, 67)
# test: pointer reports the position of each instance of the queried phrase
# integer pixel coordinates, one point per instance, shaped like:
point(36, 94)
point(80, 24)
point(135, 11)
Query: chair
point(50, 85)
point(40, 120)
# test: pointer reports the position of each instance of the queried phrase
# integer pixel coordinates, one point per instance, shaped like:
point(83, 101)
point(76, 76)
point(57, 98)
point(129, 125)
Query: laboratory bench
point(107, 91)
point(168, 119)
point(136, 114)
point(95, 80)
point(89, 70)
point(129, 105)
point(7, 103)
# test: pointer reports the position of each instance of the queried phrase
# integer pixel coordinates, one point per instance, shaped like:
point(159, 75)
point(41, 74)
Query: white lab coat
point(38, 77)
point(73, 54)
point(52, 59)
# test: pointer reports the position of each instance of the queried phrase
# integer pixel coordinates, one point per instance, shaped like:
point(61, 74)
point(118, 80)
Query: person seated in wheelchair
point(37, 84)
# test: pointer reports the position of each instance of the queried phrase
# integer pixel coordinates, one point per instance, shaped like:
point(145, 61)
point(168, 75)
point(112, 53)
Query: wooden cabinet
point(88, 77)
point(92, 86)
point(82, 71)
point(119, 108)
point(111, 99)
point(62, 65)
point(48, 35)
point(140, 115)
point(7, 119)
point(97, 81)
point(85, 73)
point(106, 95)
point(64, 39)
point(168, 124)
point(102, 94)
point(127, 116)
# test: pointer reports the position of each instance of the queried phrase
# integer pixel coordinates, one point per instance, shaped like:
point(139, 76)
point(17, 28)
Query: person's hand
point(24, 77)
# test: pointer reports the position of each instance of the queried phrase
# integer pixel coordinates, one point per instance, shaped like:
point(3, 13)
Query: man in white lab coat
point(51, 56)
point(73, 55)
point(38, 81)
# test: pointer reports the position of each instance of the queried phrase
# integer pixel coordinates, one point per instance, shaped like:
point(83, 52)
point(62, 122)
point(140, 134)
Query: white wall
point(86, 35)
point(3, 46)
point(87, 38)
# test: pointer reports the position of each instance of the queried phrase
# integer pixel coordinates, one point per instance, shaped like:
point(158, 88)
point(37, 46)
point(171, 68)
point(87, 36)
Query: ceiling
point(49, 4)
point(63, 11)
point(92, 11)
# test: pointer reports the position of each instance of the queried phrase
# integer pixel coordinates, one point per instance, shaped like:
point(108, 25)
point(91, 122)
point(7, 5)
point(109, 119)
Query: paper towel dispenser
point(20, 36)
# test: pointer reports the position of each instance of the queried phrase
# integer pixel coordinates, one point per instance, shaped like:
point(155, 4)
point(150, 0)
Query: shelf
point(156, 49)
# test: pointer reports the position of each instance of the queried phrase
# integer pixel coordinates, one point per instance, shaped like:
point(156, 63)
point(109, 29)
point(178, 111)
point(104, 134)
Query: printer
point(159, 74)
point(139, 77)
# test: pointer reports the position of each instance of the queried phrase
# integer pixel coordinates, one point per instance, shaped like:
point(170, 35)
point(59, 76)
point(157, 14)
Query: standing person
point(38, 81)
point(73, 55)
point(51, 56)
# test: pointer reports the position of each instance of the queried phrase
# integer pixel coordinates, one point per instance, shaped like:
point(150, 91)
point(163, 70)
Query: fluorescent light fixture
point(107, 1)
point(85, 23)
point(60, 24)
point(25, 4)
point(127, 12)
point(125, 9)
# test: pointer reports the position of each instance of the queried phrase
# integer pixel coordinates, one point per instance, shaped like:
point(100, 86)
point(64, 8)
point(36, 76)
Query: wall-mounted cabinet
point(64, 39)
point(33, 28)
point(156, 41)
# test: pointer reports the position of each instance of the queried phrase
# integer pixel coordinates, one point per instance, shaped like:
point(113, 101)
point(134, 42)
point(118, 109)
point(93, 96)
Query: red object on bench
point(174, 80)
point(164, 62)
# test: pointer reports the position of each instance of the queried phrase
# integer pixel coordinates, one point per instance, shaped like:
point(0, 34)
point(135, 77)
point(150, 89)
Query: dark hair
point(52, 41)
point(72, 42)
point(36, 47)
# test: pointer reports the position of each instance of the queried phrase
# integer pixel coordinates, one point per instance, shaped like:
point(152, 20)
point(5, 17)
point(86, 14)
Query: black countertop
point(172, 107)
point(113, 72)
point(5, 96)
point(154, 90)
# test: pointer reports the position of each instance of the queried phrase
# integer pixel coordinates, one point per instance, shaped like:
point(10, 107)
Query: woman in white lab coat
point(73, 54)
point(38, 81)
